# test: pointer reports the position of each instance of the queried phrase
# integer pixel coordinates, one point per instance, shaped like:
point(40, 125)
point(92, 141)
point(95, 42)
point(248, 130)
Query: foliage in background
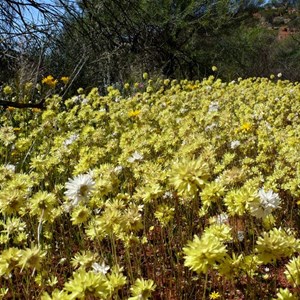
point(99, 42)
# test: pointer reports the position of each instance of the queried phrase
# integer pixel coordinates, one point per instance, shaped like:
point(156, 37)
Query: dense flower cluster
point(127, 192)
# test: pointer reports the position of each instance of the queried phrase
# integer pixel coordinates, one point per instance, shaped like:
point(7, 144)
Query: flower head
point(142, 289)
point(32, 258)
point(70, 140)
point(214, 295)
point(221, 219)
point(292, 273)
point(87, 285)
point(246, 127)
point(103, 268)
point(7, 90)
point(10, 167)
point(234, 144)
point(134, 113)
point(80, 214)
point(285, 294)
point(9, 259)
point(79, 188)
point(65, 79)
point(50, 81)
point(164, 214)
point(240, 235)
point(276, 244)
point(264, 204)
point(269, 199)
point(213, 107)
point(202, 253)
point(211, 126)
point(135, 156)
point(84, 259)
point(189, 176)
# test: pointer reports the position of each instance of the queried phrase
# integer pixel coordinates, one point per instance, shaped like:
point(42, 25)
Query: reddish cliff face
point(279, 23)
point(284, 32)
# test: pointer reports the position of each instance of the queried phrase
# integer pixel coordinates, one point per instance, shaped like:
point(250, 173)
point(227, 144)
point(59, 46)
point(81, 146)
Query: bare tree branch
point(6, 104)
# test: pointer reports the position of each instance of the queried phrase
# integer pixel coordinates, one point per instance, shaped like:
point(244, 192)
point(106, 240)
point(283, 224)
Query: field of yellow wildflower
point(162, 189)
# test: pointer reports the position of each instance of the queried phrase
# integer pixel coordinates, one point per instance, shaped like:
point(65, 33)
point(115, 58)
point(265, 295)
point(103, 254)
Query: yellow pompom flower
point(166, 82)
point(11, 201)
point(7, 90)
point(231, 266)
point(276, 244)
point(87, 285)
point(56, 295)
point(32, 258)
point(9, 259)
point(80, 91)
point(219, 231)
point(65, 79)
point(50, 81)
point(214, 295)
point(164, 214)
point(237, 201)
point(202, 253)
point(134, 113)
point(285, 294)
point(145, 76)
point(142, 289)
point(84, 259)
point(245, 127)
point(80, 215)
point(42, 203)
point(293, 271)
point(189, 176)
point(211, 193)
point(28, 86)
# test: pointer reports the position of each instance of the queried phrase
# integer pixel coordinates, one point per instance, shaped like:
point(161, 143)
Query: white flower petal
point(79, 188)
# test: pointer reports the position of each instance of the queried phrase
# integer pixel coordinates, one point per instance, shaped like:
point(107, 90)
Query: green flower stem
point(130, 270)
point(113, 248)
point(39, 229)
point(205, 286)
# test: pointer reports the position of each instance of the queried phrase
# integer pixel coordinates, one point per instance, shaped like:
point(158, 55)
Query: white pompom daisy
point(79, 188)
point(265, 204)
point(103, 268)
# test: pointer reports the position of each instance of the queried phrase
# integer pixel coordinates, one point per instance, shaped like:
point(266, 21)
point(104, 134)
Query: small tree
point(121, 39)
